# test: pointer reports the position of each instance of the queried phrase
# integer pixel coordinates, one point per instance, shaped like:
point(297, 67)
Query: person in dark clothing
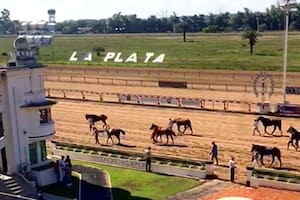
point(96, 134)
point(147, 157)
point(214, 152)
point(68, 161)
point(56, 170)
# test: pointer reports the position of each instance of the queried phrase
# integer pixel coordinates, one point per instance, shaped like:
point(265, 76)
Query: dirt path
point(232, 132)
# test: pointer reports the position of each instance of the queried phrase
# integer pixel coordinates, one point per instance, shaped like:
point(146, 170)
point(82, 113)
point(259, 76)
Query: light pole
point(286, 8)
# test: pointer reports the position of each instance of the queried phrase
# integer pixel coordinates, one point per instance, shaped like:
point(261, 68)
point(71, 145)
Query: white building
point(25, 113)
point(25, 118)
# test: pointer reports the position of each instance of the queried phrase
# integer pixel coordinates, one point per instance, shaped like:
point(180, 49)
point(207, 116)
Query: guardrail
point(167, 101)
point(200, 85)
point(228, 75)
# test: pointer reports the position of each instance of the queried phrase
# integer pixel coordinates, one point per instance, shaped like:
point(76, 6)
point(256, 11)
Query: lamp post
point(286, 8)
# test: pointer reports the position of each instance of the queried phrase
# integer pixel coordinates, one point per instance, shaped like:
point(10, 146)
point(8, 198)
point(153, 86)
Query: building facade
point(25, 118)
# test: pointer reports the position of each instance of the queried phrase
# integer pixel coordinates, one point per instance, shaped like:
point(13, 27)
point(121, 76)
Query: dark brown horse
point(158, 132)
point(186, 123)
point(270, 122)
point(295, 136)
point(261, 151)
point(113, 132)
point(95, 118)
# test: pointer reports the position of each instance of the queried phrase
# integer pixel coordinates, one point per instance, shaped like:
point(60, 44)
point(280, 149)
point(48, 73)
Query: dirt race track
point(231, 131)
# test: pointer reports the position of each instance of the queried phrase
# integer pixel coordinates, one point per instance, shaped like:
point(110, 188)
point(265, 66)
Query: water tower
point(51, 23)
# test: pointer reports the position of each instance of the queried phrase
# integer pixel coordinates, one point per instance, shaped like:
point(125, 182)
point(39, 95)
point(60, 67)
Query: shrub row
point(126, 155)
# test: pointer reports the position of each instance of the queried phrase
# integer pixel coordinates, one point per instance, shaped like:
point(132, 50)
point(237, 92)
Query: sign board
point(288, 109)
point(127, 97)
point(292, 90)
point(148, 99)
point(190, 102)
point(168, 101)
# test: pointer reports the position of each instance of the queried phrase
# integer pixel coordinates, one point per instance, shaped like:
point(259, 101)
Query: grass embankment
point(131, 184)
point(202, 51)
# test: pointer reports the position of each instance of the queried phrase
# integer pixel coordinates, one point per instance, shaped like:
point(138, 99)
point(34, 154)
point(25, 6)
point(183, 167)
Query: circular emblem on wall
point(263, 84)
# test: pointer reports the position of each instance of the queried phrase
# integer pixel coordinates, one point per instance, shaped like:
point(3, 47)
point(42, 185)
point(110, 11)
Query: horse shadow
point(285, 168)
point(173, 145)
point(194, 135)
point(126, 145)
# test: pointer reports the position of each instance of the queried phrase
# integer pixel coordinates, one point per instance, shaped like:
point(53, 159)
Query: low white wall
point(135, 164)
point(44, 177)
point(256, 182)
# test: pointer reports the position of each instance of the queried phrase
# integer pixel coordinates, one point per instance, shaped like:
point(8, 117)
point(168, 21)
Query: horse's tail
point(122, 131)
point(278, 152)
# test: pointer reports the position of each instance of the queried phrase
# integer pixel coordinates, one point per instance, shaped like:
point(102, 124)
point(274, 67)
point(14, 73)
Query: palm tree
point(251, 35)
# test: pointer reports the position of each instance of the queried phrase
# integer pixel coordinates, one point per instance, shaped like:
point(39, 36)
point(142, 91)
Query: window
point(45, 115)
point(43, 150)
point(1, 126)
point(33, 153)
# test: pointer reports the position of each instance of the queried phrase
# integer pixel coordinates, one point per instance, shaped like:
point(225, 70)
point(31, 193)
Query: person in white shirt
point(170, 124)
point(232, 167)
point(255, 125)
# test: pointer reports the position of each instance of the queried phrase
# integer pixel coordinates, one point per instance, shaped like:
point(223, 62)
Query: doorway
point(4, 160)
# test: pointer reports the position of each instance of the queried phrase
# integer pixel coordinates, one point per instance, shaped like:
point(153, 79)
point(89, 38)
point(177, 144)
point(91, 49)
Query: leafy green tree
point(251, 35)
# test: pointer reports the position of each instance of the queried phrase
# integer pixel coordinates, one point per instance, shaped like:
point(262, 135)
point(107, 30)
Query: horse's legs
point(167, 138)
point(272, 160)
point(191, 129)
point(262, 159)
point(119, 140)
point(274, 128)
point(172, 139)
point(266, 130)
point(278, 157)
point(178, 128)
point(288, 144)
point(184, 129)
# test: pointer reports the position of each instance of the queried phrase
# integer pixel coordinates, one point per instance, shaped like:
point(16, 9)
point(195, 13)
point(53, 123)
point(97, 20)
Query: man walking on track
point(255, 124)
point(147, 158)
point(170, 124)
point(232, 167)
point(214, 152)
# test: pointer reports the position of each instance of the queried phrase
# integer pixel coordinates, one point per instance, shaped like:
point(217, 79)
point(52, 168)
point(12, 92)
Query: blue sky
point(28, 10)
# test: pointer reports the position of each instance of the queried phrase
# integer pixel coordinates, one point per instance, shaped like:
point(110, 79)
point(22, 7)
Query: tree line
point(271, 19)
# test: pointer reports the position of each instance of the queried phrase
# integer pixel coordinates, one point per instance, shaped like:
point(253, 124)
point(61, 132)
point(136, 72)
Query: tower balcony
point(42, 132)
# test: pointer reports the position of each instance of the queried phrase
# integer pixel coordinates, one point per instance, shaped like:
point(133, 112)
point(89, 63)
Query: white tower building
point(25, 113)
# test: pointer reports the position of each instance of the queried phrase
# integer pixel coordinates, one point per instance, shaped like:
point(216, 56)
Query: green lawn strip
point(64, 191)
point(142, 184)
point(207, 51)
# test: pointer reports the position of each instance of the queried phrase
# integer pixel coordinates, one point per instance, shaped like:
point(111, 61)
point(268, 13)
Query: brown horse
point(95, 118)
point(113, 132)
point(158, 132)
point(295, 136)
point(270, 122)
point(186, 123)
point(260, 151)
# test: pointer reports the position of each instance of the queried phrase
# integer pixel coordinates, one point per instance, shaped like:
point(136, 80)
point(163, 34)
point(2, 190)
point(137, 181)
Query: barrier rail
point(186, 73)
point(200, 85)
point(167, 101)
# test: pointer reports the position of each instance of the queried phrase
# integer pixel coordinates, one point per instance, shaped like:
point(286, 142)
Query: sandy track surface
point(232, 132)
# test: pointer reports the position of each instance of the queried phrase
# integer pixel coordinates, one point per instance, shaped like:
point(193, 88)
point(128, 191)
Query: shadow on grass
point(119, 193)
point(92, 191)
